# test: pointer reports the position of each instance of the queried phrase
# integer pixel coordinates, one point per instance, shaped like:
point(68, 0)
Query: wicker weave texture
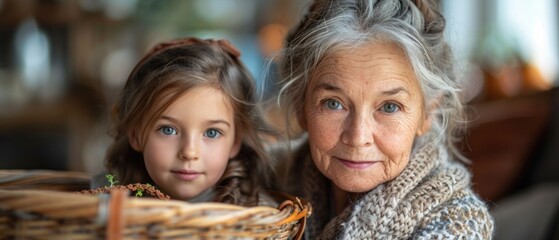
point(47, 214)
point(44, 179)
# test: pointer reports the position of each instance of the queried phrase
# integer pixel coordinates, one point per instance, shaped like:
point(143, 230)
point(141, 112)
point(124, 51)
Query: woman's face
point(363, 109)
point(188, 148)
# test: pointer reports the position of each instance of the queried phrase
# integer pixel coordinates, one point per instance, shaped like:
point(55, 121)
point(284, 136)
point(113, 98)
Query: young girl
point(187, 122)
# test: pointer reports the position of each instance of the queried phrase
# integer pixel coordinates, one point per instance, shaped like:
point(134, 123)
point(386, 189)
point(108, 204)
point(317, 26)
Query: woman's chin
point(354, 187)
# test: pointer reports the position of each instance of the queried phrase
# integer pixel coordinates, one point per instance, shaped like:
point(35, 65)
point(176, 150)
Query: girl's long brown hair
point(162, 76)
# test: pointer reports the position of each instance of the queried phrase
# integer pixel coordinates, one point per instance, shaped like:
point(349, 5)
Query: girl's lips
point(356, 164)
point(187, 175)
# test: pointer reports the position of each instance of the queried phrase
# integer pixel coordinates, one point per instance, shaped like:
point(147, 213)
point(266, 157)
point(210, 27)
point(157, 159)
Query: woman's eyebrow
point(331, 87)
point(395, 91)
point(326, 86)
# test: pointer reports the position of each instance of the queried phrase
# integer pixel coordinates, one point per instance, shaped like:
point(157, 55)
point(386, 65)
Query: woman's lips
point(187, 175)
point(356, 164)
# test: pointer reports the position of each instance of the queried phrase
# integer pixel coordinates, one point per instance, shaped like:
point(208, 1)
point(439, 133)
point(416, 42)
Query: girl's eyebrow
point(169, 118)
point(216, 121)
point(219, 121)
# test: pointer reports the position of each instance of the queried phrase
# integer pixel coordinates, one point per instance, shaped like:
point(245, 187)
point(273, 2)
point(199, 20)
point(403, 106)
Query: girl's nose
point(189, 156)
point(189, 150)
point(358, 131)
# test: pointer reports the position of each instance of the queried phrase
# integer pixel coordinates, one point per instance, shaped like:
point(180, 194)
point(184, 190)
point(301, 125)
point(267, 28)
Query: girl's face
point(189, 146)
point(362, 111)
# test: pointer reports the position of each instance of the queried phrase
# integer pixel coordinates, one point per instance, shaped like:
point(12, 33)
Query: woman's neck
point(341, 199)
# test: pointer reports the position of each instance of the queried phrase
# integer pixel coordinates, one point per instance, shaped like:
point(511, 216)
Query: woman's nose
point(359, 131)
point(189, 150)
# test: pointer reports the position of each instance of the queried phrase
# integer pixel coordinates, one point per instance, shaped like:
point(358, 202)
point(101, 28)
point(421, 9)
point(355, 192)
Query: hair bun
point(434, 20)
point(426, 7)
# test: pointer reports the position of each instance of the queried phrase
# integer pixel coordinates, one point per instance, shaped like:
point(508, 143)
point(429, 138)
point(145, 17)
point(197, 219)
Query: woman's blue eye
point(390, 107)
point(333, 104)
point(212, 133)
point(168, 130)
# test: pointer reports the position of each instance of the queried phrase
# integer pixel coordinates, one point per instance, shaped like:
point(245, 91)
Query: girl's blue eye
point(333, 104)
point(390, 107)
point(168, 130)
point(212, 133)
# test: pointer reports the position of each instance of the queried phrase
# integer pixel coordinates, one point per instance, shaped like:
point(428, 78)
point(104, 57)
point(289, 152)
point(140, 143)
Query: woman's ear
point(236, 148)
point(426, 122)
point(134, 141)
point(301, 119)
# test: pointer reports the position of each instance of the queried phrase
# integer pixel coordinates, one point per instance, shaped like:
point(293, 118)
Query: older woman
point(372, 84)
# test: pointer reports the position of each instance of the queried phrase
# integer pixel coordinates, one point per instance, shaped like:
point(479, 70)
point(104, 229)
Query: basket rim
point(44, 179)
point(117, 210)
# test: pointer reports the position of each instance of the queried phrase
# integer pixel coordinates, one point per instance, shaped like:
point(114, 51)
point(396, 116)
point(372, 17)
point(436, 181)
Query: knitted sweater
point(431, 199)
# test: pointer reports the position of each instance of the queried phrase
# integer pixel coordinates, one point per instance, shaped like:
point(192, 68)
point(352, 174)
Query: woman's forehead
point(368, 59)
point(377, 69)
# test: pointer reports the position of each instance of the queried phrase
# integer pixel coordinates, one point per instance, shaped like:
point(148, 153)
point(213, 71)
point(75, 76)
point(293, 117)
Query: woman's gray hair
point(415, 26)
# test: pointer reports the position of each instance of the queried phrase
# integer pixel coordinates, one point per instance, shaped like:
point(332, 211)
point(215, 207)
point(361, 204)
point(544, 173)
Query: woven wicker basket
point(47, 214)
point(44, 180)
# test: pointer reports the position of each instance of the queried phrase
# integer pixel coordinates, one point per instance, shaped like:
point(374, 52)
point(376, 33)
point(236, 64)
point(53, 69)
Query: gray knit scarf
point(430, 199)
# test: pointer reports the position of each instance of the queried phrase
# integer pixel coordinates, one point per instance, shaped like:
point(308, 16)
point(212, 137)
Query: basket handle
point(301, 229)
point(115, 224)
point(302, 210)
point(306, 213)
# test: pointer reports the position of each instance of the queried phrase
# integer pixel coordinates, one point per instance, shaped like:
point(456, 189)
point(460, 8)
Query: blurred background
point(62, 63)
